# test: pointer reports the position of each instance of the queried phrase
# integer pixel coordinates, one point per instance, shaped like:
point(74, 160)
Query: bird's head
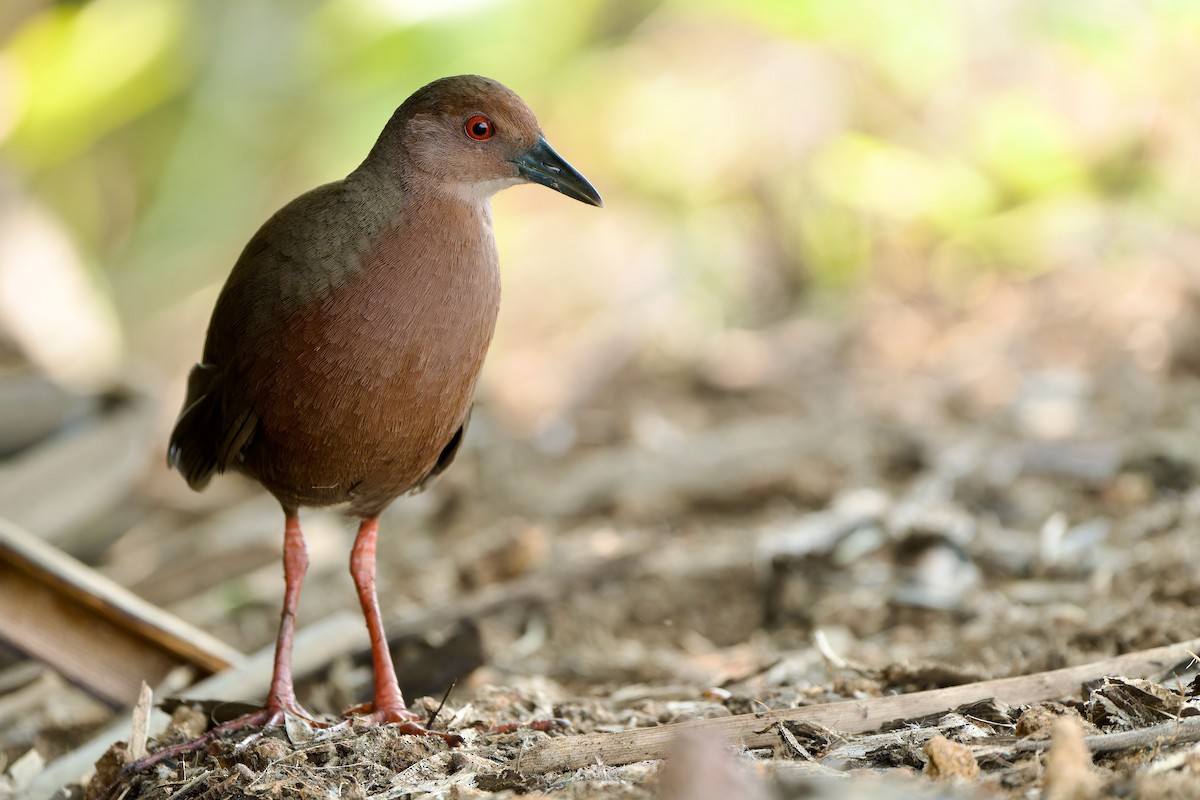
point(473, 136)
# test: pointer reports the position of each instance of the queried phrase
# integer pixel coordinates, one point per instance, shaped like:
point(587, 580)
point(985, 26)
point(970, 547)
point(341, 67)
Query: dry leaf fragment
point(1069, 773)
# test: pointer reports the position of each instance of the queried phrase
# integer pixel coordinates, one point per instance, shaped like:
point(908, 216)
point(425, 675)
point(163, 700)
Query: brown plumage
point(344, 349)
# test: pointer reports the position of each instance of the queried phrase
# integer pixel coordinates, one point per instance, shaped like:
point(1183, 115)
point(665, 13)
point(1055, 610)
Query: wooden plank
point(91, 630)
point(851, 716)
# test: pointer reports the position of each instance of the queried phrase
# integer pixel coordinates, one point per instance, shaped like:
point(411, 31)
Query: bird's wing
point(290, 264)
point(205, 439)
point(446, 457)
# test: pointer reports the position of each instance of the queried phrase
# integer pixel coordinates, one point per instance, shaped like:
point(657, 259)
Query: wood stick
point(1174, 732)
point(850, 716)
point(140, 725)
point(92, 631)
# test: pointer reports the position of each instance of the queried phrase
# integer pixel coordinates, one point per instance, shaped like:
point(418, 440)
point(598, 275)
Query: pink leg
point(389, 703)
point(281, 697)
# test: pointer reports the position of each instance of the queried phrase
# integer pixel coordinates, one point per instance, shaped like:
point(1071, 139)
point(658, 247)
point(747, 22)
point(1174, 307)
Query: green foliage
point(84, 71)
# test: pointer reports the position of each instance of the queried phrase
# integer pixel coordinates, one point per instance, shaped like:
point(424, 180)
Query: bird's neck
point(442, 238)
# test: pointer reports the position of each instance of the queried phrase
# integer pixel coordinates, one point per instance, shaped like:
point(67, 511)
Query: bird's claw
point(267, 717)
point(405, 720)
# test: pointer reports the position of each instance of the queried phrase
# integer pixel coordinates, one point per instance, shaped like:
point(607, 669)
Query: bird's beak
point(541, 164)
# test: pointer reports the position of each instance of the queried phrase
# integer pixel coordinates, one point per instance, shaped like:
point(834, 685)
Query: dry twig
point(851, 716)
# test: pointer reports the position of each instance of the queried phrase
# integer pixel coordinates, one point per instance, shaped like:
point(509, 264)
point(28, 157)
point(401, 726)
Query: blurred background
point(840, 239)
point(761, 162)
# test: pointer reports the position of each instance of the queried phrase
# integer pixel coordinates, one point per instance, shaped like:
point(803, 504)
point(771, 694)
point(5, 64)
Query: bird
point(343, 351)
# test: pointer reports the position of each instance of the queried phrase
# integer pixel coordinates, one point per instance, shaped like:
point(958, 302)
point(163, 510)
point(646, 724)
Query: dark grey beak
point(542, 165)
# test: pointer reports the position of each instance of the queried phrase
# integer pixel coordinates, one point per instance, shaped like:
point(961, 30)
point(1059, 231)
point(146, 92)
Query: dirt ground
point(914, 496)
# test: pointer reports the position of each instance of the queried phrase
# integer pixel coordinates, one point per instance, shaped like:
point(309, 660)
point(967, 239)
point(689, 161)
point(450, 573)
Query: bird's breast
point(369, 383)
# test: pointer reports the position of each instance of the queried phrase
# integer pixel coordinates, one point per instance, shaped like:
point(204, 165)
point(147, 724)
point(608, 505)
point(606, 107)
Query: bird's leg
point(281, 698)
point(388, 705)
point(389, 702)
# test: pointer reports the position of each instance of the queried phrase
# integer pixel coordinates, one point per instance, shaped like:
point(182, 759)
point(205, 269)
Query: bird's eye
point(480, 128)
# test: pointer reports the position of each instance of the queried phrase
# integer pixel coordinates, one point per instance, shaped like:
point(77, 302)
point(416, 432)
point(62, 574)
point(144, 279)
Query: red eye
point(480, 128)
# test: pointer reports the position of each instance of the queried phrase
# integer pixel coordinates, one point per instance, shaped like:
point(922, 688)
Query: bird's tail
point(194, 440)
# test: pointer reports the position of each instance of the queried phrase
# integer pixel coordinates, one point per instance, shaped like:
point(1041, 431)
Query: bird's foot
point(399, 715)
point(271, 716)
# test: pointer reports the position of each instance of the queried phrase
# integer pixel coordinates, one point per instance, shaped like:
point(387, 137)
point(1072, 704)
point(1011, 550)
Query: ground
point(917, 494)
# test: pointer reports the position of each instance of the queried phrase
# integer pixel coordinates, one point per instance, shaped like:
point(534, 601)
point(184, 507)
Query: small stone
point(1036, 722)
point(950, 760)
point(266, 751)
